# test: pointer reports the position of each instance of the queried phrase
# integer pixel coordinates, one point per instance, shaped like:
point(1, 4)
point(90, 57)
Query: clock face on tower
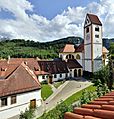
point(88, 37)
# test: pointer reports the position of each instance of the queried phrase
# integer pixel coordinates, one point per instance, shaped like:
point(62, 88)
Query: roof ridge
point(7, 78)
point(31, 73)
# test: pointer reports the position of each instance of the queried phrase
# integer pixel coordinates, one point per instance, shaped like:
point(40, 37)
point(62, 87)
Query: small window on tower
point(96, 28)
point(96, 36)
point(87, 29)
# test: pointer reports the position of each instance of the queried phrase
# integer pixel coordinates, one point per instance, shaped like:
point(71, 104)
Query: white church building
point(91, 54)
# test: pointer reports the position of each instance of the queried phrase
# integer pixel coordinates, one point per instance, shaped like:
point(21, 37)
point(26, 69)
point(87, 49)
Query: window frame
point(43, 76)
point(97, 29)
point(96, 36)
point(60, 75)
point(4, 101)
point(13, 99)
point(55, 75)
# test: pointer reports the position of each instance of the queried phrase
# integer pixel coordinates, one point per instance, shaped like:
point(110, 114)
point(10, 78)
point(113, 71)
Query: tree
point(102, 74)
point(110, 81)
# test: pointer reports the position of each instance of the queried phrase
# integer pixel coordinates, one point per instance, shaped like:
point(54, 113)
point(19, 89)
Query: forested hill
point(22, 48)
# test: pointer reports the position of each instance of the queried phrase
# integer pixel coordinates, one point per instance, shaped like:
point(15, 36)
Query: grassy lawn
point(57, 84)
point(75, 97)
point(69, 101)
point(46, 91)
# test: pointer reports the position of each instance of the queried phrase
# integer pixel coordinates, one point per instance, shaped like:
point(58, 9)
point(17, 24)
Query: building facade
point(19, 89)
point(91, 54)
point(92, 43)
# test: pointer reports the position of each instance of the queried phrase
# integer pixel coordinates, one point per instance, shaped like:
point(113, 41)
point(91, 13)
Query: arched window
point(77, 56)
point(70, 56)
point(67, 57)
point(75, 73)
point(79, 72)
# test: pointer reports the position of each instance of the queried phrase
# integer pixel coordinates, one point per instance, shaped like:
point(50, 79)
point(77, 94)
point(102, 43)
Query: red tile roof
point(70, 48)
point(101, 108)
point(41, 73)
point(80, 48)
point(20, 79)
point(30, 62)
point(9, 68)
point(94, 19)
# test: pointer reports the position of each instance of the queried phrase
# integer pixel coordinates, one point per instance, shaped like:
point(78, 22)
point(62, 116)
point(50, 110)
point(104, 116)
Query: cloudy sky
point(46, 20)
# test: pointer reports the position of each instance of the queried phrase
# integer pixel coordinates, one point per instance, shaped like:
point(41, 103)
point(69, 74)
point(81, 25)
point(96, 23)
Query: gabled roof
point(101, 108)
point(8, 69)
point(53, 67)
point(80, 48)
point(21, 80)
point(30, 62)
point(70, 48)
point(72, 64)
point(94, 19)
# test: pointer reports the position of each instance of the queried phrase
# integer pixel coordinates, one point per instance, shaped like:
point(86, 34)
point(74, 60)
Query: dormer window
point(3, 69)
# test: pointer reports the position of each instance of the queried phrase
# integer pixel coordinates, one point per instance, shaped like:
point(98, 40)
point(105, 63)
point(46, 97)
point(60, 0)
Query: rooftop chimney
point(8, 59)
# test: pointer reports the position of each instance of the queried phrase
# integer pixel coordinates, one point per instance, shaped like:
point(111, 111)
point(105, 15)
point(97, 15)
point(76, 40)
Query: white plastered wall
point(23, 102)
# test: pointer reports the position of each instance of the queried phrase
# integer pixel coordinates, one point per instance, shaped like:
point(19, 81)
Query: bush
point(57, 112)
point(87, 75)
point(86, 97)
point(28, 114)
point(44, 82)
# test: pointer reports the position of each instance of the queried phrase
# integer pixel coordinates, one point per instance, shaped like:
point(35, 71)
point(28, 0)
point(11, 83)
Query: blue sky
point(46, 20)
point(50, 8)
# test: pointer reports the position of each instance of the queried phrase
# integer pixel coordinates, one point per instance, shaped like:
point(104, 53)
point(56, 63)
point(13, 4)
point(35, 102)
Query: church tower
point(92, 43)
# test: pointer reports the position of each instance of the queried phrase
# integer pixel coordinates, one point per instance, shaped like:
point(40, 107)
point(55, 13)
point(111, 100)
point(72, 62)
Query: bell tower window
point(96, 28)
point(96, 36)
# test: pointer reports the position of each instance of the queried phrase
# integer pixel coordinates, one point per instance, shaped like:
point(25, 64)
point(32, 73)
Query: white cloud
point(38, 28)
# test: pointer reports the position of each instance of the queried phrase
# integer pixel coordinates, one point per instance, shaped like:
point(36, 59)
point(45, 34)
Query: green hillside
point(22, 48)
